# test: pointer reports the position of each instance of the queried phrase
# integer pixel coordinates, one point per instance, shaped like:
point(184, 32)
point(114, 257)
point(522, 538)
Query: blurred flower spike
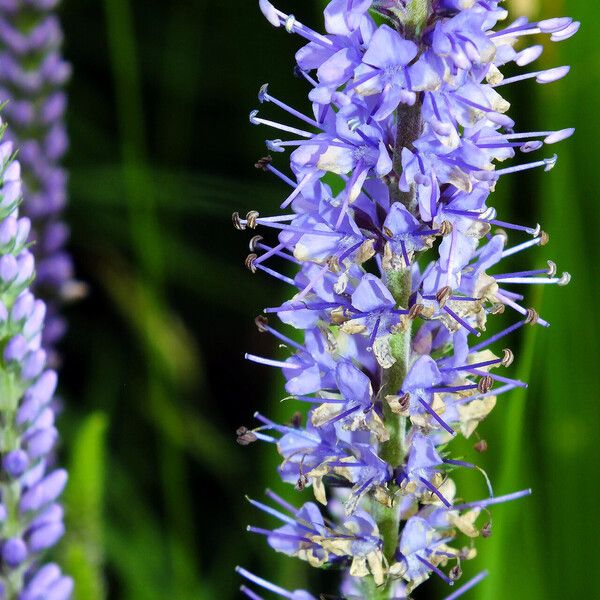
point(397, 264)
point(32, 76)
point(31, 520)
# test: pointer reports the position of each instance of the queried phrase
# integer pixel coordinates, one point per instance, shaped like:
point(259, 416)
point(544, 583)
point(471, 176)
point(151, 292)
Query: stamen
point(473, 366)
point(437, 417)
point(269, 362)
point(467, 586)
point(494, 377)
point(256, 120)
point(264, 96)
point(437, 571)
point(491, 501)
point(263, 583)
point(277, 514)
point(547, 163)
point(276, 498)
point(249, 593)
point(546, 76)
point(301, 185)
point(262, 323)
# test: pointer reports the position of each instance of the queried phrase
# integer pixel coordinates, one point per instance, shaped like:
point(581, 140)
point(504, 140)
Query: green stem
point(409, 124)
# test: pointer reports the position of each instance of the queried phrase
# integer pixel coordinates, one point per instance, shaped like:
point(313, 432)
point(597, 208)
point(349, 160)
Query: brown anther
point(415, 311)
point(551, 269)
point(481, 446)
point(486, 530)
point(237, 222)
point(334, 264)
point(532, 316)
point(544, 238)
point(301, 483)
point(297, 420)
point(388, 232)
point(455, 573)
point(263, 163)
point(261, 323)
point(245, 436)
point(497, 308)
point(508, 357)
point(251, 219)
point(445, 228)
point(443, 295)
point(485, 384)
point(255, 240)
point(404, 402)
point(249, 262)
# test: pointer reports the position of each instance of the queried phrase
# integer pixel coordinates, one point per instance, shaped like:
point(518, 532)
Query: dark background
point(154, 381)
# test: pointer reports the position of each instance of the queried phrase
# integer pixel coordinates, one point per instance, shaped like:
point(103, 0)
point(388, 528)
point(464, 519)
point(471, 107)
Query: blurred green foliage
point(154, 383)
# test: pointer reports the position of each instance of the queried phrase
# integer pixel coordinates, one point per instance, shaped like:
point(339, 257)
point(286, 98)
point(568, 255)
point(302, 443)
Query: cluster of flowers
point(394, 281)
point(32, 74)
point(31, 520)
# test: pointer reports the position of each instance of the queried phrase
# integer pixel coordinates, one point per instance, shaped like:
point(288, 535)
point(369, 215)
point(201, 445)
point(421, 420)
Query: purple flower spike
point(397, 275)
point(30, 519)
point(34, 115)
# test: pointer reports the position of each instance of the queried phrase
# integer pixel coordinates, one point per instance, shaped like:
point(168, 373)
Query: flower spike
point(395, 279)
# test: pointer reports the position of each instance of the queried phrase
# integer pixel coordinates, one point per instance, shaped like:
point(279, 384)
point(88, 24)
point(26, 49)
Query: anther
point(297, 420)
point(443, 296)
point(264, 162)
point(485, 384)
point(245, 436)
point(261, 323)
point(508, 358)
point(263, 93)
point(455, 573)
point(388, 232)
point(404, 402)
point(289, 23)
point(445, 228)
point(415, 311)
point(486, 530)
point(301, 483)
point(550, 163)
point(481, 446)
point(532, 316)
point(497, 308)
point(237, 222)
point(551, 269)
point(251, 219)
point(254, 241)
point(544, 238)
point(249, 262)
point(334, 264)
point(502, 232)
point(565, 279)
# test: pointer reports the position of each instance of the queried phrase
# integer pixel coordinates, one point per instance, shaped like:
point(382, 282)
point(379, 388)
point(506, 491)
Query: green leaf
point(83, 548)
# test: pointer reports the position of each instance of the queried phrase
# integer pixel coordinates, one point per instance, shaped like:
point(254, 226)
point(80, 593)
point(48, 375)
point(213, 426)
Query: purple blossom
point(396, 277)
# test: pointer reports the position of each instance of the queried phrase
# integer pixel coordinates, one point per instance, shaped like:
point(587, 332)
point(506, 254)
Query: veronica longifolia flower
point(399, 266)
point(31, 520)
point(32, 77)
